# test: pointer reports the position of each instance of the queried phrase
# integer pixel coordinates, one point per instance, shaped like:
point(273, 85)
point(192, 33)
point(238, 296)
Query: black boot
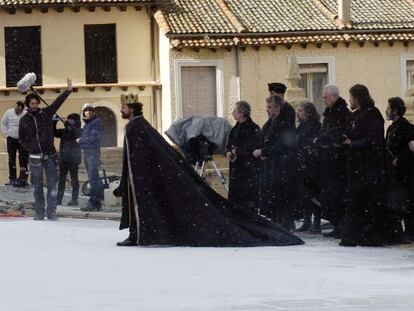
point(131, 240)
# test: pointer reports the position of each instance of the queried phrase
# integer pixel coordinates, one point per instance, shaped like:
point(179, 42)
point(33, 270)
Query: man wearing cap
point(90, 142)
point(287, 113)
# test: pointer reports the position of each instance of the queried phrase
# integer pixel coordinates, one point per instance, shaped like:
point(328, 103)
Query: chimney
point(344, 10)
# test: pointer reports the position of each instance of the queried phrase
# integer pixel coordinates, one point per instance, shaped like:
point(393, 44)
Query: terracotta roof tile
point(378, 14)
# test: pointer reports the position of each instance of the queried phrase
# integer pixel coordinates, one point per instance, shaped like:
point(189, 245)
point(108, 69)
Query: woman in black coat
point(366, 180)
point(400, 170)
point(307, 131)
point(278, 167)
point(244, 167)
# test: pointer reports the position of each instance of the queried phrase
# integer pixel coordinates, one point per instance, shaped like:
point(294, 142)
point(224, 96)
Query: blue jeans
point(92, 160)
point(49, 165)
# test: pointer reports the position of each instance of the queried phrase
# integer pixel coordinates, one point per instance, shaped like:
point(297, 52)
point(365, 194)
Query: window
point(198, 91)
point(410, 73)
point(313, 78)
point(100, 54)
point(23, 53)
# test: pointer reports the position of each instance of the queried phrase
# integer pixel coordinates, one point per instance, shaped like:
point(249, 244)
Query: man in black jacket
point(287, 113)
point(278, 178)
point(69, 156)
point(400, 170)
point(36, 136)
point(332, 160)
point(244, 138)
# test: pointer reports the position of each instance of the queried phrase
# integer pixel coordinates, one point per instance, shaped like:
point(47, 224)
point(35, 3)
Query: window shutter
point(100, 54)
point(198, 89)
point(23, 53)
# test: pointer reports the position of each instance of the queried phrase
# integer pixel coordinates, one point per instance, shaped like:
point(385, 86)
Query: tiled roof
point(216, 23)
point(34, 3)
point(279, 15)
point(378, 14)
point(197, 16)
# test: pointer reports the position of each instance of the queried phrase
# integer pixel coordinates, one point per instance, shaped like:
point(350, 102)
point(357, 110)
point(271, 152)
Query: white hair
point(331, 89)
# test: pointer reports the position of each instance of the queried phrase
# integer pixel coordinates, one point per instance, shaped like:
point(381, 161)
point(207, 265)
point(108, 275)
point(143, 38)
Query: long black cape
point(176, 207)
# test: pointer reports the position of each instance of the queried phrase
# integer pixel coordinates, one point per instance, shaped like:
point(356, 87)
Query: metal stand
point(201, 170)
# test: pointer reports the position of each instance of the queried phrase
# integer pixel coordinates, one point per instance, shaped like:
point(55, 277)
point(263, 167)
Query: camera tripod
point(200, 168)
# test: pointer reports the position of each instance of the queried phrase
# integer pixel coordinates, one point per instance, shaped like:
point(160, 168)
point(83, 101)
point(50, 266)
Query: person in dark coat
point(365, 214)
point(332, 160)
point(165, 201)
point(278, 178)
point(90, 142)
point(307, 131)
point(244, 138)
point(36, 136)
point(287, 113)
point(69, 156)
point(400, 170)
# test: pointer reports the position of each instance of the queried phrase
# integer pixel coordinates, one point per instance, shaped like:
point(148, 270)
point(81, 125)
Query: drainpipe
point(238, 82)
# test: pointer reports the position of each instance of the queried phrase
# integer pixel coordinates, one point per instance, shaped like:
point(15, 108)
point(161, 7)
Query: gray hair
point(275, 101)
point(243, 107)
point(331, 89)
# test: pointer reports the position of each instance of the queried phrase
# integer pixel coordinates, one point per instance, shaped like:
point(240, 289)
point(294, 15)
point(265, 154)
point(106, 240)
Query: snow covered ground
point(75, 265)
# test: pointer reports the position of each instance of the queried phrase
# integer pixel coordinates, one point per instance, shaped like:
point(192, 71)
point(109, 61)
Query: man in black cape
point(165, 202)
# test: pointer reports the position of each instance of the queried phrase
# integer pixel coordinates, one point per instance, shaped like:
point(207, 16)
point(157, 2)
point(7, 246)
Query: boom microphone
point(26, 82)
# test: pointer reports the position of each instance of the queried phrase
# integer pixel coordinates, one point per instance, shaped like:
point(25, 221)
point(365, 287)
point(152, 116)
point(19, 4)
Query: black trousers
point(13, 146)
point(64, 168)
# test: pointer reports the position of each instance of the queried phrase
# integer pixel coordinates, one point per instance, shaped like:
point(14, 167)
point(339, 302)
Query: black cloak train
point(171, 205)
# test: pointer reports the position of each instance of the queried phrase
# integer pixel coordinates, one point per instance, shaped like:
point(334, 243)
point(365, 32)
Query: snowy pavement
point(74, 265)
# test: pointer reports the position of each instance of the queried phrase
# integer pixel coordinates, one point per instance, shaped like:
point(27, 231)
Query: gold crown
point(129, 99)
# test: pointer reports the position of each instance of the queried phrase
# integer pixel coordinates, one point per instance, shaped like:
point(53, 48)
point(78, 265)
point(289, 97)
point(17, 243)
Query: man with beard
point(278, 166)
point(332, 160)
point(36, 136)
point(287, 113)
point(244, 169)
point(366, 176)
point(165, 202)
point(400, 170)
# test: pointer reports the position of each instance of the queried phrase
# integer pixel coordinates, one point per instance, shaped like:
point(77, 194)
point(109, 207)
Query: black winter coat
point(69, 149)
point(366, 216)
point(278, 168)
point(36, 129)
point(287, 114)
point(399, 134)
point(244, 170)
point(307, 132)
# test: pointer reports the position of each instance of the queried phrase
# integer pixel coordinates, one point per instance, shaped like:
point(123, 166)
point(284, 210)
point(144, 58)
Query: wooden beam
point(60, 9)
point(76, 9)
point(243, 48)
point(405, 43)
point(122, 8)
point(141, 88)
point(44, 9)
point(288, 46)
point(138, 8)
point(334, 44)
point(391, 43)
point(91, 88)
point(124, 88)
point(107, 8)
point(228, 49)
point(375, 43)
point(107, 88)
point(304, 45)
point(273, 47)
point(28, 10)
point(318, 45)
point(256, 47)
point(347, 44)
point(361, 44)
point(12, 11)
point(91, 8)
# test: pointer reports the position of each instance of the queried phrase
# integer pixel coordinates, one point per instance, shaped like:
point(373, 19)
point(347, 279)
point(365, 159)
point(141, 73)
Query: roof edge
point(231, 16)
